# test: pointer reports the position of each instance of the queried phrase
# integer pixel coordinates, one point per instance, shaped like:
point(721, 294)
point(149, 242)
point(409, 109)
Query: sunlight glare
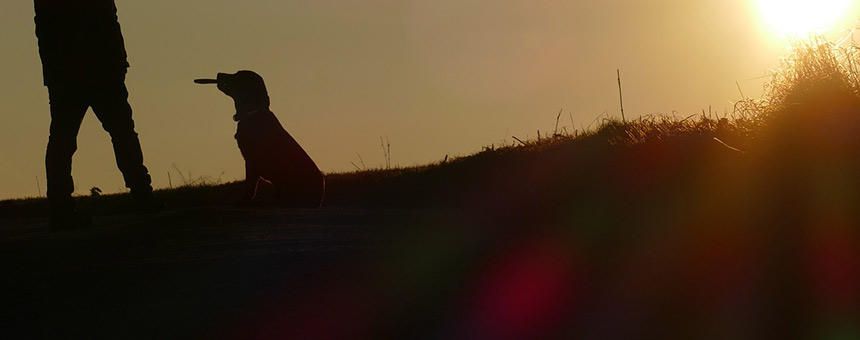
point(803, 17)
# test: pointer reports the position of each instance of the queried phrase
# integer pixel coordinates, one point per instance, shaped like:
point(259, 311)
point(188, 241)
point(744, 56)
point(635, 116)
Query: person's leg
point(110, 104)
point(67, 112)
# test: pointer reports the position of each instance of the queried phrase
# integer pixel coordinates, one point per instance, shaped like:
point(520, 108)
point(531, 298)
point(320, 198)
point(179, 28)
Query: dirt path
point(178, 274)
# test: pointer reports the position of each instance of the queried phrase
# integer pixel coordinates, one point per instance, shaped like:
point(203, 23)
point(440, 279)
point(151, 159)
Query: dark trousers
point(109, 101)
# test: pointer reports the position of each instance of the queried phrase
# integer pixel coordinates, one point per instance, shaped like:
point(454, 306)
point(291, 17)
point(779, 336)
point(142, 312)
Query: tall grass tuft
point(817, 72)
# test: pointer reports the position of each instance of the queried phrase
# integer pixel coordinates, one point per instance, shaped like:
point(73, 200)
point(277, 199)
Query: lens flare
point(803, 17)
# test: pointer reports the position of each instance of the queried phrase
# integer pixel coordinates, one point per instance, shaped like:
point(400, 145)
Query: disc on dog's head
point(206, 81)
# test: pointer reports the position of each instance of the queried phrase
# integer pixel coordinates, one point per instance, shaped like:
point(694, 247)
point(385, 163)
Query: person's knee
point(115, 114)
point(120, 129)
point(62, 143)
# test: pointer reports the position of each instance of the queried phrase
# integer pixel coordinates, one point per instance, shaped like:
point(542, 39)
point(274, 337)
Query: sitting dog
point(270, 153)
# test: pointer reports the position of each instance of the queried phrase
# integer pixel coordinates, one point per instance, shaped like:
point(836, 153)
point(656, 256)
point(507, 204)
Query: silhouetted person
point(84, 65)
point(270, 152)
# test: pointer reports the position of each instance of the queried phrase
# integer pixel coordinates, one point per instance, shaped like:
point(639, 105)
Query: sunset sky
point(434, 77)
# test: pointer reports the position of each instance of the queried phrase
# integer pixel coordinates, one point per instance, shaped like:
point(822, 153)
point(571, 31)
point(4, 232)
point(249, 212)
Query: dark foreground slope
point(652, 229)
point(605, 236)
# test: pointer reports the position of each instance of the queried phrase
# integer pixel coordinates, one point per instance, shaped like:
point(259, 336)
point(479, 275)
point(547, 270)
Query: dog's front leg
point(252, 181)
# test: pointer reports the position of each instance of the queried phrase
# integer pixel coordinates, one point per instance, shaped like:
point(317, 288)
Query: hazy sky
point(436, 77)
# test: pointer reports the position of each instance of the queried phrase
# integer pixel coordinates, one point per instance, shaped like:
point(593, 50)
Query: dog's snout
point(243, 86)
point(225, 77)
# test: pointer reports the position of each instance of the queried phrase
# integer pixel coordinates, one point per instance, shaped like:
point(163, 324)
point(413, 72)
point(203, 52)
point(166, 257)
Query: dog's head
point(245, 87)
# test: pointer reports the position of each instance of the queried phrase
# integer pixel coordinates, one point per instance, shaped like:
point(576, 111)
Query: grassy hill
point(559, 165)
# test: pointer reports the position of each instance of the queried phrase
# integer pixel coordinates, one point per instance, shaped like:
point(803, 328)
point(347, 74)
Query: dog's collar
point(242, 115)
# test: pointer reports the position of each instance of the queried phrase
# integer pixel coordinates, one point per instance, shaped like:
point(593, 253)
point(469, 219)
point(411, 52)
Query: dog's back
point(263, 141)
point(278, 157)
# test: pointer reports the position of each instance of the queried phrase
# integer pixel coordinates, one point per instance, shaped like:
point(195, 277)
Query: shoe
point(146, 203)
point(69, 220)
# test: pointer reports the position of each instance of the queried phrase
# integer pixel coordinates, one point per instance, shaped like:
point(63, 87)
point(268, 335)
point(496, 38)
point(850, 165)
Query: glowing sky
point(436, 77)
point(802, 17)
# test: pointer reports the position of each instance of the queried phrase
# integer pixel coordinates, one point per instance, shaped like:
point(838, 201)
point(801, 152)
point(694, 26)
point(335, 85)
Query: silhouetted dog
point(270, 152)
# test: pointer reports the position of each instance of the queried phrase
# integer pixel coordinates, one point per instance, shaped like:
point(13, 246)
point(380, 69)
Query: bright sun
point(803, 17)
